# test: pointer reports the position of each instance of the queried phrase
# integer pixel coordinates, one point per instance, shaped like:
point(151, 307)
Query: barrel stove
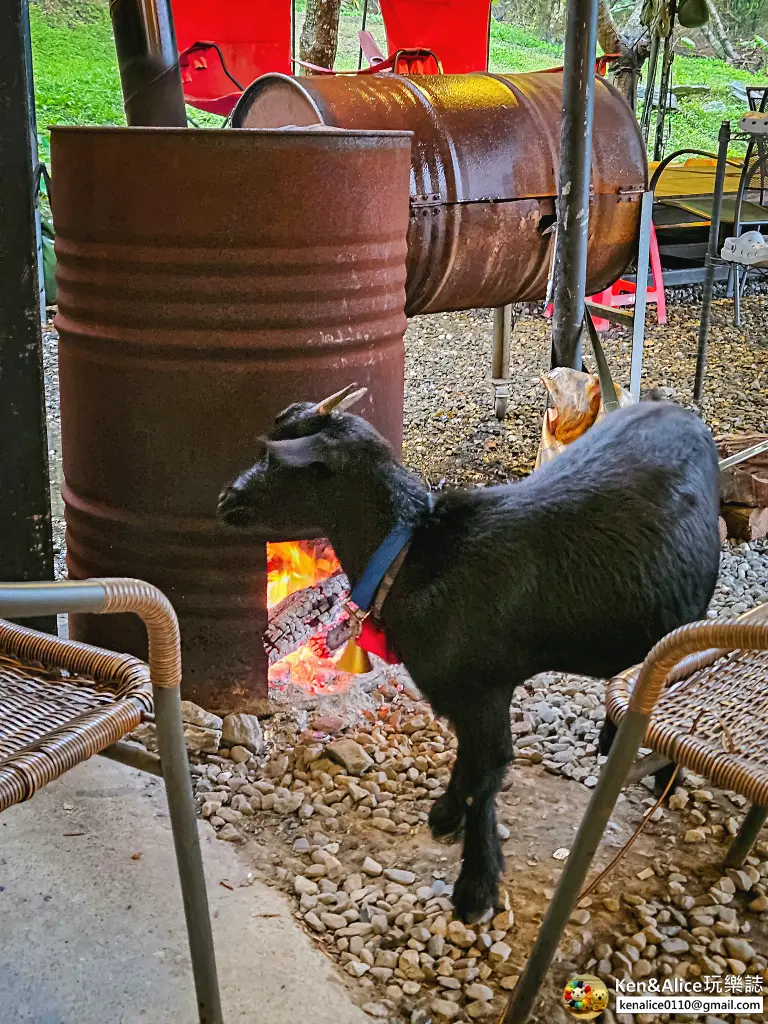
point(483, 174)
point(207, 279)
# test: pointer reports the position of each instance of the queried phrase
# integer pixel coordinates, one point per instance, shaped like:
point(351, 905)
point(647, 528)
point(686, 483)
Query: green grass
point(75, 67)
point(77, 82)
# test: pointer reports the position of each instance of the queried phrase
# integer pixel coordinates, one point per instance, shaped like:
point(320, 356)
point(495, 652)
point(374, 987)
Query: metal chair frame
point(675, 657)
point(24, 770)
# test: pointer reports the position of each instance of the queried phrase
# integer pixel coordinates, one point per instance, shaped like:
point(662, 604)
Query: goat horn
point(353, 399)
point(332, 402)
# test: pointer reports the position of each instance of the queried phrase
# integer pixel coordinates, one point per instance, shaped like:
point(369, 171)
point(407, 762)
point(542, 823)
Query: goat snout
point(232, 507)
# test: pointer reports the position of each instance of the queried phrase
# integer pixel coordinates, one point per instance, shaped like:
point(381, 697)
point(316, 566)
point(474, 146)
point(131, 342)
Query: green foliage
point(75, 67)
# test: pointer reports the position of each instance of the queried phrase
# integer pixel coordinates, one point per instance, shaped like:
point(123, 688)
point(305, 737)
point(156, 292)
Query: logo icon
point(585, 997)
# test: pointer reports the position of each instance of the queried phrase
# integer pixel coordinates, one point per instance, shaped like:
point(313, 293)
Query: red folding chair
point(404, 62)
point(601, 65)
point(457, 30)
point(225, 44)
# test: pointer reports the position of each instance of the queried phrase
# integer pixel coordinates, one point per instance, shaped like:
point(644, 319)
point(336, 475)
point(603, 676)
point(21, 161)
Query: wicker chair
point(698, 699)
point(63, 701)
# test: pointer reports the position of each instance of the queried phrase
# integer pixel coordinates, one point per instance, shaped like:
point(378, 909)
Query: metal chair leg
point(503, 324)
point(623, 752)
point(181, 805)
point(738, 284)
point(750, 828)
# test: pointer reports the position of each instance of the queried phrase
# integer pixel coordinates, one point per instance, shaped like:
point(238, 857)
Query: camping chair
point(458, 31)
point(698, 699)
point(224, 46)
point(62, 701)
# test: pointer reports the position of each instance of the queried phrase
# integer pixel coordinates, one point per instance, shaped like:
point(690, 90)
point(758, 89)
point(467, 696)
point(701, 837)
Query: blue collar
point(381, 560)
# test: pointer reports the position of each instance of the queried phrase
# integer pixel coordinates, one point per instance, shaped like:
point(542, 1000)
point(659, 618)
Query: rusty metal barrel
point(207, 279)
point(483, 175)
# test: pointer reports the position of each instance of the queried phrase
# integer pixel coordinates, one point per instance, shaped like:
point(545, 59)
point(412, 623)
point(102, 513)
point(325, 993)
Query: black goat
point(580, 568)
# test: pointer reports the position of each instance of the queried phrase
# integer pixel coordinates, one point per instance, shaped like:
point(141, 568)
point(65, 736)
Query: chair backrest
point(456, 30)
point(252, 36)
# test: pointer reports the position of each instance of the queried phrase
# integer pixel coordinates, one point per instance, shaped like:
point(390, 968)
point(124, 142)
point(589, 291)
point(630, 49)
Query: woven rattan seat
point(60, 703)
point(711, 718)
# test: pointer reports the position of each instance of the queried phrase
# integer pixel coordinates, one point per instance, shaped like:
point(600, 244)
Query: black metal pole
point(570, 272)
point(666, 75)
point(149, 62)
point(26, 544)
point(723, 140)
point(650, 89)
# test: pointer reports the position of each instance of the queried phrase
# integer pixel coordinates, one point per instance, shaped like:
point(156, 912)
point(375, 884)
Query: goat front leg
point(485, 750)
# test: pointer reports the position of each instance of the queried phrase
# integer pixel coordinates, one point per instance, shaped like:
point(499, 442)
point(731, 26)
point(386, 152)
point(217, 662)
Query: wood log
point(745, 522)
point(303, 614)
point(746, 483)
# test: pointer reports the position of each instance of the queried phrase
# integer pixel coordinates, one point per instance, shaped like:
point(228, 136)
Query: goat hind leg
point(446, 815)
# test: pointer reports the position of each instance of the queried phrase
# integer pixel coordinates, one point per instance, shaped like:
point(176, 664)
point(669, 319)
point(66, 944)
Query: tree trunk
point(716, 33)
point(626, 71)
point(320, 34)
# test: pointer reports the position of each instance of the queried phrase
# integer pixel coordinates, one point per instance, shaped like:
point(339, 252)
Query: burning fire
point(292, 566)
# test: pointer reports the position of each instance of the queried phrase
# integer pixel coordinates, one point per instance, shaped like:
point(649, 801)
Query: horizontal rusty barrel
point(483, 175)
point(207, 279)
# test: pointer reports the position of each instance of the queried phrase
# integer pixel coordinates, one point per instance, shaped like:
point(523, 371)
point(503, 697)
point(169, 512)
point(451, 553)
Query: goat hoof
point(474, 896)
point(662, 778)
point(446, 817)
point(607, 736)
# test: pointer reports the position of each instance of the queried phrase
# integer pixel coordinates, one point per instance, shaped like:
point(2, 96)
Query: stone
point(350, 755)
point(641, 969)
point(499, 953)
point(230, 834)
point(402, 877)
point(372, 867)
point(201, 741)
point(504, 921)
point(675, 946)
point(328, 723)
point(444, 1008)
point(436, 946)
point(192, 714)
point(478, 1009)
point(411, 988)
point(244, 731)
point(694, 835)
point(356, 968)
point(739, 949)
point(240, 754)
point(477, 991)
point(377, 1010)
point(303, 885)
point(760, 905)
point(460, 935)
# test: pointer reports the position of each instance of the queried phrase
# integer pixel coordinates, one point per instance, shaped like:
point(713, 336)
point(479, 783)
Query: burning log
point(303, 614)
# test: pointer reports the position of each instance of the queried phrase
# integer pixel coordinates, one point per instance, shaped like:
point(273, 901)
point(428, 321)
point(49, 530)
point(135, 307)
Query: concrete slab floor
point(91, 934)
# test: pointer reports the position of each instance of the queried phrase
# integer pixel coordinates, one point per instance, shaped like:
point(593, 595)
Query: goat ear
point(300, 452)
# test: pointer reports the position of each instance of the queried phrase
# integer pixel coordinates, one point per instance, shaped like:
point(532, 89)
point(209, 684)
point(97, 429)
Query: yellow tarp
point(693, 178)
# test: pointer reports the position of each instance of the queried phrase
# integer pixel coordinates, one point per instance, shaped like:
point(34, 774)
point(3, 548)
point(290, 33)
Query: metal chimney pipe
point(149, 63)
